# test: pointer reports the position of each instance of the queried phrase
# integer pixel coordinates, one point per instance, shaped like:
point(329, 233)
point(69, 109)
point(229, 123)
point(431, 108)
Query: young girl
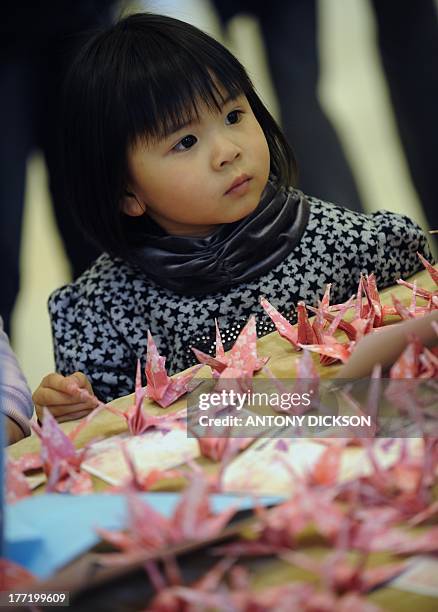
point(178, 172)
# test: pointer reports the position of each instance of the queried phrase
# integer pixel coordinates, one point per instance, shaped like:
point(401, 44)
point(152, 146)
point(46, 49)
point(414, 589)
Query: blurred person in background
point(37, 43)
point(408, 43)
point(15, 397)
point(290, 37)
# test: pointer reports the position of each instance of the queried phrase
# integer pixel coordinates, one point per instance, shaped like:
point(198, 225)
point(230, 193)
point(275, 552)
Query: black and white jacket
point(100, 321)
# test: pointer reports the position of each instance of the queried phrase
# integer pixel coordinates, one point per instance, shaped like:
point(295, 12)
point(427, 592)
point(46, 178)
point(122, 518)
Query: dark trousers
point(408, 43)
point(290, 36)
point(36, 50)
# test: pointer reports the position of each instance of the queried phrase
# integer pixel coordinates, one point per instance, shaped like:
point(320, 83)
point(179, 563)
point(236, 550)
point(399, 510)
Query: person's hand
point(13, 431)
point(67, 397)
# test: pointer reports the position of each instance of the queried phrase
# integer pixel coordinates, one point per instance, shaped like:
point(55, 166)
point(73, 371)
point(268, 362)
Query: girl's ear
point(132, 206)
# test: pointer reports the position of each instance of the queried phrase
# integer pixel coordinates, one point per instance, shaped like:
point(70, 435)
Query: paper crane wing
point(284, 328)
point(178, 386)
point(156, 375)
point(55, 444)
point(433, 272)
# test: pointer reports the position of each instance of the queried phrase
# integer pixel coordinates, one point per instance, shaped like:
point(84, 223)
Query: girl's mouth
point(239, 186)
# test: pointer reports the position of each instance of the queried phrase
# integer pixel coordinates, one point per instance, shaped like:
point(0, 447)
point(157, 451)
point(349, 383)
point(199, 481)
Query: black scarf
point(234, 253)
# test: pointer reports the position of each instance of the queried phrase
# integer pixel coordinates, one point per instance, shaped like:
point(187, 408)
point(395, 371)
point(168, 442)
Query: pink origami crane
point(431, 296)
point(139, 482)
point(17, 486)
point(284, 328)
point(336, 351)
point(218, 449)
point(416, 361)
point(215, 480)
point(369, 316)
point(241, 361)
point(314, 337)
point(58, 457)
point(413, 311)
point(375, 529)
point(374, 305)
point(408, 364)
point(324, 343)
point(307, 381)
point(433, 272)
point(279, 528)
point(148, 530)
point(402, 490)
point(61, 461)
point(340, 576)
point(236, 593)
point(160, 387)
point(137, 420)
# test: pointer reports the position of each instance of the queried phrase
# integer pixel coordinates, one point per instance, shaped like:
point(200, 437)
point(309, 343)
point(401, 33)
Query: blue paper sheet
point(45, 532)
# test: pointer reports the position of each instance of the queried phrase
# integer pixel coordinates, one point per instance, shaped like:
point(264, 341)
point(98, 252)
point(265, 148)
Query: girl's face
point(212, 171)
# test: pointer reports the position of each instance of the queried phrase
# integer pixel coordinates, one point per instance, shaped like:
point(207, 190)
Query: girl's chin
point(244, 212)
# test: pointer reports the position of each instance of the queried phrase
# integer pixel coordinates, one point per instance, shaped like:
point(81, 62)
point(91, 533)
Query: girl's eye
point(186, 143)
point(234, 116)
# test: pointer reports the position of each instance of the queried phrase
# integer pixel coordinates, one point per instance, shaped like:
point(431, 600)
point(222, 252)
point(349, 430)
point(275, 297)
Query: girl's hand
point(67, 397)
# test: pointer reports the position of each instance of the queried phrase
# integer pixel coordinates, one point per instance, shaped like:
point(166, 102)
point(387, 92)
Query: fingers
point(78, 380)
point(66, 384)
point(66, 397)
point(45, 396)
point(66, 413)
point(72, 416)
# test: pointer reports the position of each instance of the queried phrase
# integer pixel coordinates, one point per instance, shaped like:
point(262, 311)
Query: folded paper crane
point(58, 457)
point(160, 387)
point(191, 520)
point(241, 361)
point(137, 420)
point(369, 315)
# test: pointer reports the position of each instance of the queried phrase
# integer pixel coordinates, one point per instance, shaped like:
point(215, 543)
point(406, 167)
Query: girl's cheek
point(261, 140)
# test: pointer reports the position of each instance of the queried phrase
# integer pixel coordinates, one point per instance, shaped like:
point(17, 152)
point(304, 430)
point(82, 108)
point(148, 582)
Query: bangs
point(164, 113)
point(170, 79)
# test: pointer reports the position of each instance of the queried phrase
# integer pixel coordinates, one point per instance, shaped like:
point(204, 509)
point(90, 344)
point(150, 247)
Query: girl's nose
point(225, 152)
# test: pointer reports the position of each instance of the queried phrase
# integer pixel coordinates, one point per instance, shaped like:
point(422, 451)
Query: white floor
point(354, 95)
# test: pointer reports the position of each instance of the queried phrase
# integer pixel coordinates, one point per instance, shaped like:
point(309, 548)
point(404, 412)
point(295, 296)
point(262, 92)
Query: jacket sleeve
point(15, 395)
point(86, 338)
point(389, 246)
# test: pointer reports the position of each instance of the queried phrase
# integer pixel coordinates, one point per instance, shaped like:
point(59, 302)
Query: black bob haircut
point(138, 80)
